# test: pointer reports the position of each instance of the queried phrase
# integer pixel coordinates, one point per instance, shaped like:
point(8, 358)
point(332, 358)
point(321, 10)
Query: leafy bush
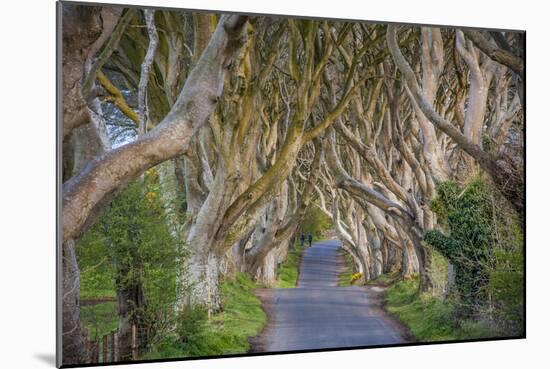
point(226, 333)
point(189, 324)
point(467, 215)
point(99, 319)
point(135, 249)
point(481, 237)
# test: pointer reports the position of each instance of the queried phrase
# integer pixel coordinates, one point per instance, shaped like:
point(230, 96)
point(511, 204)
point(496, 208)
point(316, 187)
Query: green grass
point(287, 275)
point(431, 318)
point(242, 315)
point(226, 333)
point(99, 319)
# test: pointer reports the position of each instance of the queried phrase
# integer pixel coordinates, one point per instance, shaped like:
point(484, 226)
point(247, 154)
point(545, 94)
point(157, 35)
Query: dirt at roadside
point(257, 343)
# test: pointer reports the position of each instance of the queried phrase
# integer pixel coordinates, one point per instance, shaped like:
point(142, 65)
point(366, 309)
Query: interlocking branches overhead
point(252, 122)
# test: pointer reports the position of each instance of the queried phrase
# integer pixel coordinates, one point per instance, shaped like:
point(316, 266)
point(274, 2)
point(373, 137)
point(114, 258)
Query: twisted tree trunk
point(74, 350)
point(84, 193)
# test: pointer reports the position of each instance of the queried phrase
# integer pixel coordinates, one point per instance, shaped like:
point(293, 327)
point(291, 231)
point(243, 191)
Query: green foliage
point(447, 193)
point(97, 278)
point(189, 324)
point(315, 222)
point(506, 286)
point(483, 241)
point(466, 211)
point(135, 250)
point(468, 216)
point(439, 271)
point(226, 333)
point(100, 319)
point(287, 273)
point(242, 314)
point(431, 318)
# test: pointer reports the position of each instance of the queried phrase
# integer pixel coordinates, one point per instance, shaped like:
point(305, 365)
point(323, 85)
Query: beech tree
point(87, 191)
point(251, 121)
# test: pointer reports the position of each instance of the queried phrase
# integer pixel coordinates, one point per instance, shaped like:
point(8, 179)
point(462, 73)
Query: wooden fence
point(106, 349)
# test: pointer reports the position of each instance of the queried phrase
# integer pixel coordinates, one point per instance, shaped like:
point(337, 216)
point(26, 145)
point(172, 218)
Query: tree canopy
point(226, 136)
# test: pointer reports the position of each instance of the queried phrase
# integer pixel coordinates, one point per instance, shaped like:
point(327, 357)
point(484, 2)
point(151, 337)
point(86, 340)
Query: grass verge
point(226, 333)
point(287, 274)
point(431, 318)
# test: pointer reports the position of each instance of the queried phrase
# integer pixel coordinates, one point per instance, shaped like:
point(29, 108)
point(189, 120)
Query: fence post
point(115, 347)
point(90, 350)
point(134, 341)
point(96, 351)
point(104, 349)
point(209, 302)
point(112, 357)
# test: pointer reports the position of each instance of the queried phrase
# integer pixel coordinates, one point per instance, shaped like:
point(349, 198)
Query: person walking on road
point(309, 239)
point(302, 239)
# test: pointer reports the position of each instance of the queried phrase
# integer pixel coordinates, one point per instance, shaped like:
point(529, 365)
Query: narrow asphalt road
point(320, 315)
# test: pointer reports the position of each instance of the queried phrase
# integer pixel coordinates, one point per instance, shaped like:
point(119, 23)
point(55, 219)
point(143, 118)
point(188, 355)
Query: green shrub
point(189, 324)
point(482, 238)
point(225, 333)
point(99, 319)
point(130, 248)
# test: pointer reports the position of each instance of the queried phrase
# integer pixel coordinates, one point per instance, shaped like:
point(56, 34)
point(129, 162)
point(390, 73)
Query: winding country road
point(320, 315)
